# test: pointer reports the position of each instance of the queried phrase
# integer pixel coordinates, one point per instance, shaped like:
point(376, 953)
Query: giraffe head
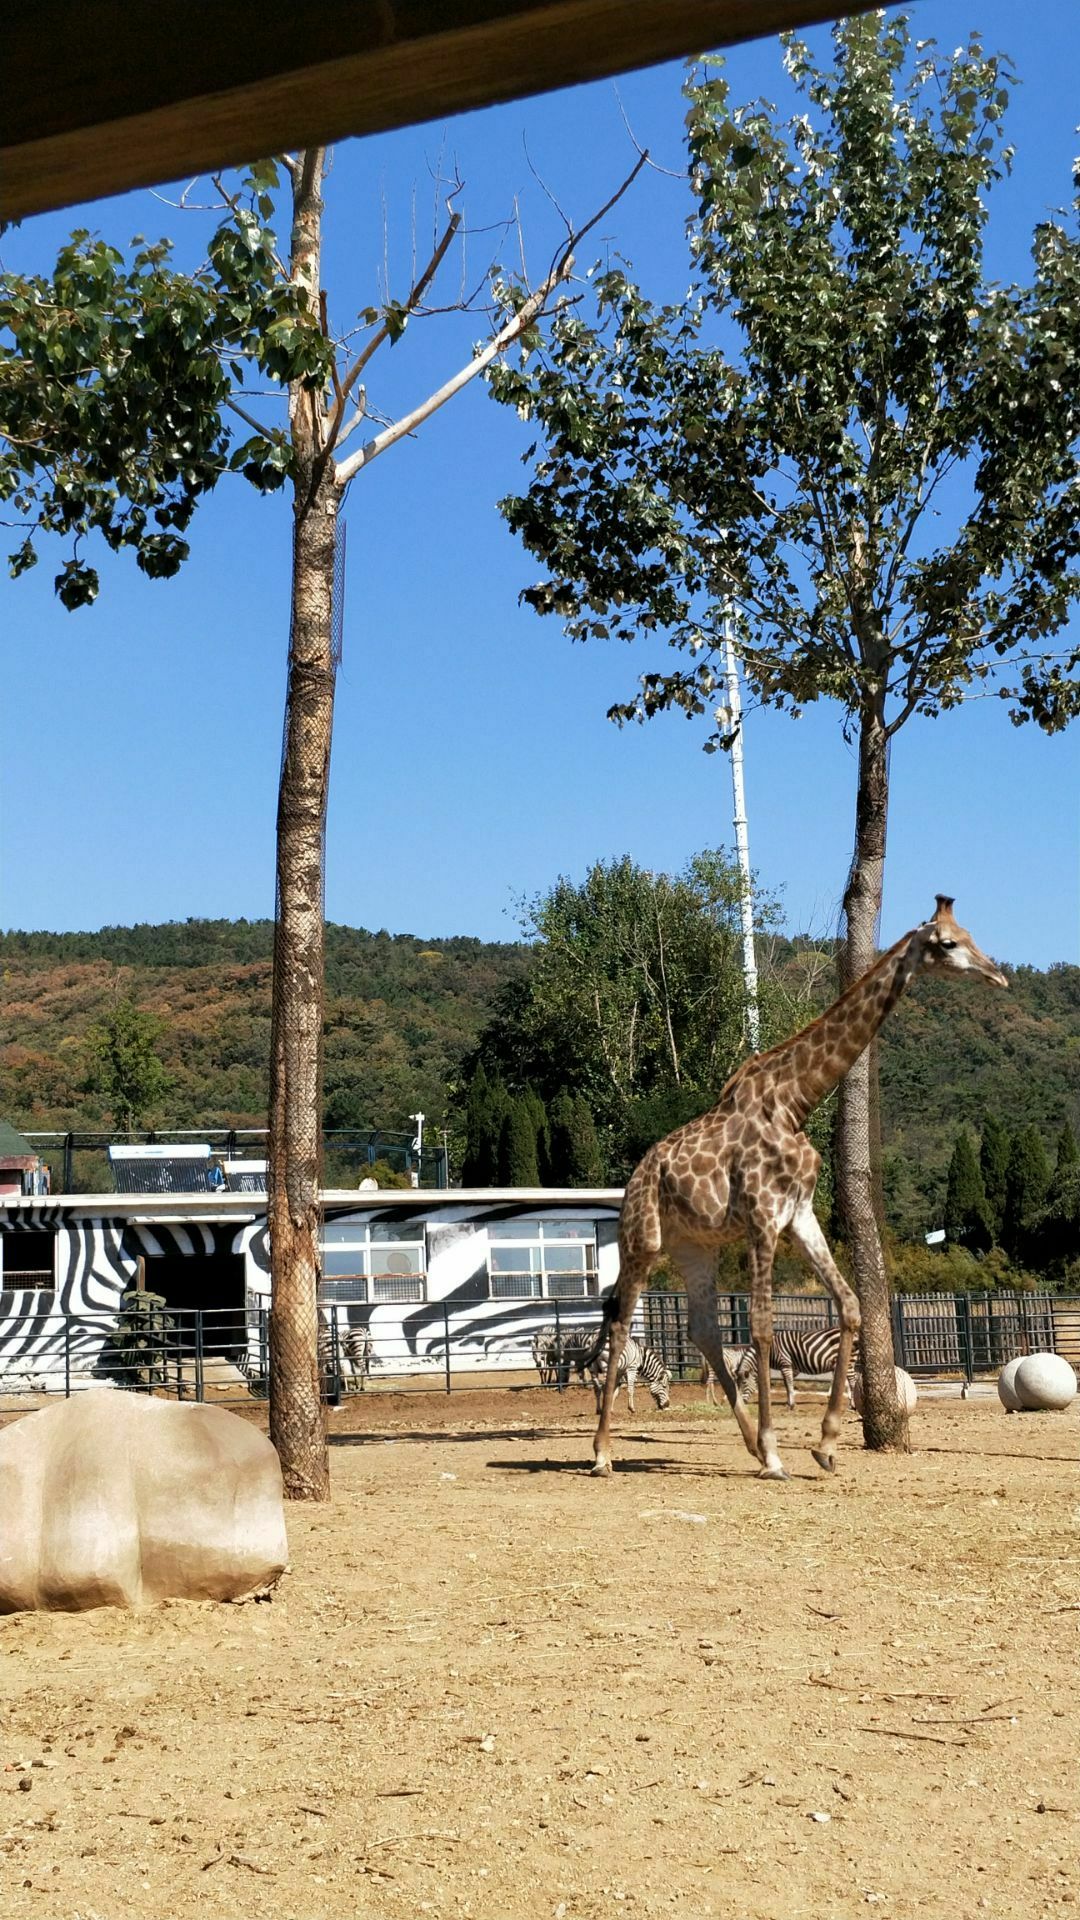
point(947, 947)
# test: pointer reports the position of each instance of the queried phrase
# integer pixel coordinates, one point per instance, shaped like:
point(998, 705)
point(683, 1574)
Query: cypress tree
point(993, 1165)
point(1026, 1183)
point(586, 1160)
point(484, 1114)
point(967, 1216)
point(517, 1147)
point(542, 1131)
point(576, 1160)
point(561, 1116)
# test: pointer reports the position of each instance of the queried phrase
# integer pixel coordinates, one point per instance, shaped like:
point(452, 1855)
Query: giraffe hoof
point(824, 1460)
point(601, 1471)
point(772, 1473)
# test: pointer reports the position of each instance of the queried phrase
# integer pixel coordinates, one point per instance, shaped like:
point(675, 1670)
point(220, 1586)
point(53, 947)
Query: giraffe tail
point(611, 1308)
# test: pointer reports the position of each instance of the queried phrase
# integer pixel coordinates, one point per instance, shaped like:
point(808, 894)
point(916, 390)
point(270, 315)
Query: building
point(22, 1170)
point(433, 1275)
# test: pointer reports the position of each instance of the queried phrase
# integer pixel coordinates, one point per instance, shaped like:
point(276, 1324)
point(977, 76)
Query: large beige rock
point(120, 1500)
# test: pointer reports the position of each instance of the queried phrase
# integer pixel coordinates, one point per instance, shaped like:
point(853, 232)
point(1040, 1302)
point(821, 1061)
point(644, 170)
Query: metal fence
point(79, 1162)
point(223, 1354)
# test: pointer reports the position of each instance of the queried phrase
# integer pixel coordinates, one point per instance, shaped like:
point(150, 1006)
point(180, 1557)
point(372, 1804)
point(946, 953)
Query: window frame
point(535, 1236)
point(385, 1288)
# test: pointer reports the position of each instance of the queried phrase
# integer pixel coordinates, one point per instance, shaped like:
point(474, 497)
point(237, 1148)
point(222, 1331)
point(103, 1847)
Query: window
point(380, 1261)
point(28, 1259)
point(542, 1259)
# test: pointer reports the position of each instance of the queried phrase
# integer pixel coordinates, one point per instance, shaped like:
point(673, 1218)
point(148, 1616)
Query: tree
point(517, 1146)
point(1027, 1181)
point(484, 1114)
point(994, 1150)
point(115, 417)
point(123, 1067)
point(967, 1217)
point(881, 479)
point(541, 1126)
point(1055, 1229)
point(635, 990)
point(1068, 1152)
point(576, 1159)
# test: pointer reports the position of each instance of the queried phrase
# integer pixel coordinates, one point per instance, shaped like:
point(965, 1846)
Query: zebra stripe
point(794, 1350)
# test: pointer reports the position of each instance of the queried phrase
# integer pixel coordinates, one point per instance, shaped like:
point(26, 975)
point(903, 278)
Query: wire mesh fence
point(222, 1354)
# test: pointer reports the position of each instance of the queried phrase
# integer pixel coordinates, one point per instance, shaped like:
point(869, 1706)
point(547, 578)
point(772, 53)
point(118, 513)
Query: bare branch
point(235, 407)
point(416, 294)
point(505, 337)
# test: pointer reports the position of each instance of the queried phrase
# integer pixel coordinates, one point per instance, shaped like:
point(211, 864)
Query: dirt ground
point(492, 1687)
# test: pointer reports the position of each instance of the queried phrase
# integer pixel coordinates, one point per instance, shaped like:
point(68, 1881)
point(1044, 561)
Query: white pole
point(732, 718)
point(418, 1145)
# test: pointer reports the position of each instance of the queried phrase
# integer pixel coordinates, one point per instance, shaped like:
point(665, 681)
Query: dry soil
point(490, 1686)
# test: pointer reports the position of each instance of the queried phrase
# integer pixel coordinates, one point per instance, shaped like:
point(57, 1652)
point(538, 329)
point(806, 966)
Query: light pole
point(730, 718)
point(417, 1145)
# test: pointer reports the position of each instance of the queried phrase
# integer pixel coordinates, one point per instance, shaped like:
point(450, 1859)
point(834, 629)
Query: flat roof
point(240, 1207)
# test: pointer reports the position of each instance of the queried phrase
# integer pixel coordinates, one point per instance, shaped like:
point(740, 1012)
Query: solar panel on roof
point(164, 1169)
point(245, 1176)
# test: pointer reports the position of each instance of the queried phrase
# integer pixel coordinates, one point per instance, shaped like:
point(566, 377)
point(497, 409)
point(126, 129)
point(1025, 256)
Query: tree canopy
point(846, 431)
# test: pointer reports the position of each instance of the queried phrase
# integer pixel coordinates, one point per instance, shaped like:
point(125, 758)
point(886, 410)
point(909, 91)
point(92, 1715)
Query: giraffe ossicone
point(746, 1170)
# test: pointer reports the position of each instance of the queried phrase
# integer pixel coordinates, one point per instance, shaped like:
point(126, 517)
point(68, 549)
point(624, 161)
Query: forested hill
point(403, 1012)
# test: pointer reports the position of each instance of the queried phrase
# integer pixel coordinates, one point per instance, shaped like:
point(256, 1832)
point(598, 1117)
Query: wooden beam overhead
point(99, 96)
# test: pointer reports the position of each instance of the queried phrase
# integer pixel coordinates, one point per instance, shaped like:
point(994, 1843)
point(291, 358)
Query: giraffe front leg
point(809, 1238)
point(761, 1244)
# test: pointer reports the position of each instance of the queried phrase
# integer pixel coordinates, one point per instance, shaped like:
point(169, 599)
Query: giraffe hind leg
point(634, 1271)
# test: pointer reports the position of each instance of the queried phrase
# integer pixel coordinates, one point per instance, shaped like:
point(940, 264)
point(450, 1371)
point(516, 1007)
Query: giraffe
point(747, 1168)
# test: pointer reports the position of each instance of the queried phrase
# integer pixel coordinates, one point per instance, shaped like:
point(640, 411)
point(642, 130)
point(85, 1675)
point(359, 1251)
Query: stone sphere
point(906, 1391)
point(1007, 1393)
point(1045, 1383)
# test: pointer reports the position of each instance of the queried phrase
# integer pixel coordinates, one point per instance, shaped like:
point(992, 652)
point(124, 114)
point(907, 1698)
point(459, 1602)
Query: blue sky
point(472, 761)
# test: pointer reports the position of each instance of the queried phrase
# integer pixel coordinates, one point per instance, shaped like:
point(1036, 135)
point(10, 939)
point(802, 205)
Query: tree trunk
point(884, 1420)
point(297, 1426)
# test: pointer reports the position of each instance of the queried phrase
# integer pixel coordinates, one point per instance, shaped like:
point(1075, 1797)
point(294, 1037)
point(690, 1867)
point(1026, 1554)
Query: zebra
point(355, 1349)
point(733, 1359)
point(794, 1350)
point(555, 1350)
point(354, 1353)
point(637, 1362)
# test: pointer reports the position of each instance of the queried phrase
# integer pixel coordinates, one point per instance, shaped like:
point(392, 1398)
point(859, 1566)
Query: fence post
point(963, 1322)
point(334, 1382)
point(740, 1316)
point(446, 1341)
point(898, 1331)
point(67, 1356)
point(562, 1377)
point(198, 1354)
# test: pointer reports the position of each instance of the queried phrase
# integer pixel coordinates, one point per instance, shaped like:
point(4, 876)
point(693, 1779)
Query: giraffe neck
point(816, 1060)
